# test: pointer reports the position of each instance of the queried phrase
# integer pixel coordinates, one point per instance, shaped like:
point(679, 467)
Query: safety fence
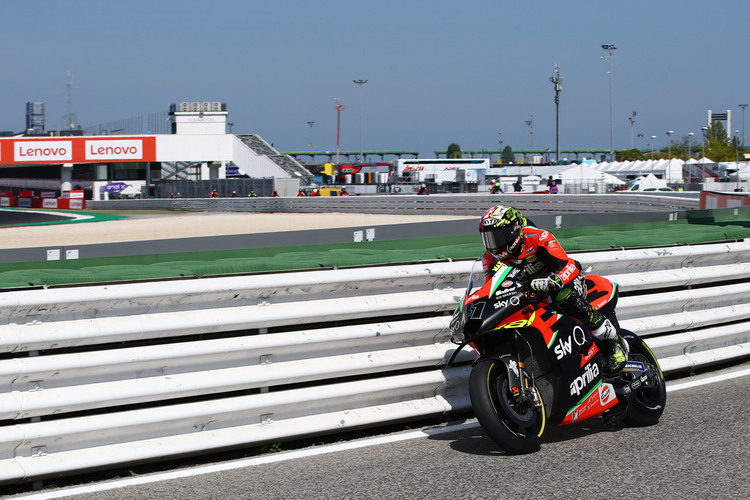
point(451, 204)
point(97, 377)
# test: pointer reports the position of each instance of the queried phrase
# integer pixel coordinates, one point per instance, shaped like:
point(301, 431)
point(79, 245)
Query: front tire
point(514, 426)
point(647, 403)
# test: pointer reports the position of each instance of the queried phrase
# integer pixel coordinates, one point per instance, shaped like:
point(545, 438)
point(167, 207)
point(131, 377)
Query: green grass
point(708, 228)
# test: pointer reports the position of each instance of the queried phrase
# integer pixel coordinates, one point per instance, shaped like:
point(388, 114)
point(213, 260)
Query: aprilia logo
point(592, 371)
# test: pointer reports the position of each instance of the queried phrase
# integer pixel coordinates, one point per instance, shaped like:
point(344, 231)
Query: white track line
point(308, 452)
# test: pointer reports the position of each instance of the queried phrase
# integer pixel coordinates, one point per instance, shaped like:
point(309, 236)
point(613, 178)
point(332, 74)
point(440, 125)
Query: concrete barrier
point(100, 376)
point(450, 204)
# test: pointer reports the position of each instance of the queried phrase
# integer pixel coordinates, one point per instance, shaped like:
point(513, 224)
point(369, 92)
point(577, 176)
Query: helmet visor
point(497, 240)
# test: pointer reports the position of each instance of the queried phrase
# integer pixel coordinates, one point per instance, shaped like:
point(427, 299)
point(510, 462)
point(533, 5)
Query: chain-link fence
point(225, 188)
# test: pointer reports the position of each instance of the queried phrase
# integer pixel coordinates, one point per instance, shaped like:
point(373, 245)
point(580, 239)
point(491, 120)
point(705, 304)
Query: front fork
point(520, 382)
point(528, 395)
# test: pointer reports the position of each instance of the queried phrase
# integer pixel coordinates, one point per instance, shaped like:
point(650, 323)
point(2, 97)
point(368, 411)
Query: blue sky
point(438, 72)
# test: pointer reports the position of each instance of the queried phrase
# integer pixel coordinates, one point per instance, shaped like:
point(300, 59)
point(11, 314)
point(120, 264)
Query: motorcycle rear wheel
point(648, 402)
point(515, 428)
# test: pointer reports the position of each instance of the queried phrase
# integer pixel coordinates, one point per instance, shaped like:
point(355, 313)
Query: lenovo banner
point(77, 150)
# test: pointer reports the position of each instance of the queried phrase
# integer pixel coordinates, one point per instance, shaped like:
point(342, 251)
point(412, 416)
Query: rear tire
point(648, 402)
point(516, 428)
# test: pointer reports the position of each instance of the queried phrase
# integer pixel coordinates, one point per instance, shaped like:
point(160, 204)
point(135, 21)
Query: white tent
point(649, 181)
point(575, 173)
point(669, 170)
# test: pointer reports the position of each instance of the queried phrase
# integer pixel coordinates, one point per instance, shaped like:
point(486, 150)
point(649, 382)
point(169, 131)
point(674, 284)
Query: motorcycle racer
point(509, 239)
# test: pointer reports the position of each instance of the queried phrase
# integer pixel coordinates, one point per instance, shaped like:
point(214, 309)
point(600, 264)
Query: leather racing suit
point(542, 256)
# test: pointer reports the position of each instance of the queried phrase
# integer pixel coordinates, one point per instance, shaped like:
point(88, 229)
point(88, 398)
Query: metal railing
point(100, 376)
point(447, 204)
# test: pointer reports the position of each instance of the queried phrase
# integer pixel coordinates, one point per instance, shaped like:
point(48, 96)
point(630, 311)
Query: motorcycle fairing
point(599, 290)
point(600, 398)
point(573, 350)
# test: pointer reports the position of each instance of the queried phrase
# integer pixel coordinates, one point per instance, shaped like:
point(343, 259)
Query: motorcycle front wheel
point(510, 422)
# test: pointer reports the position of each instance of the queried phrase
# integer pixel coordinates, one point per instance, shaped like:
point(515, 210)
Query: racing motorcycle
point(538, 367)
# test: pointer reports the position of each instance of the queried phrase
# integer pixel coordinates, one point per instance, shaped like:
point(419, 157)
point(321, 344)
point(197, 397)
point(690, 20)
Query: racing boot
point(614, 348)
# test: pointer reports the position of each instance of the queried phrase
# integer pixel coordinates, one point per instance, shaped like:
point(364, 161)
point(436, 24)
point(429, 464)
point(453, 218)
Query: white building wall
point(194, 147)
point(201, 124)
point(224, 149)
point(253, 164)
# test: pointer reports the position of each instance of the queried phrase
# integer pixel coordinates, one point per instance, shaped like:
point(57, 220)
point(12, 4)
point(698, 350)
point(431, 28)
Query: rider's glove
point(550, 284)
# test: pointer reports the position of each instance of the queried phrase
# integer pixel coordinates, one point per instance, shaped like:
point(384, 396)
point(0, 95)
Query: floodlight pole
point(360, 83)
point(611, 48)
point(310, 146)
point(556, 80)
point(631, 119)
point(743, 106)
point(339, 108)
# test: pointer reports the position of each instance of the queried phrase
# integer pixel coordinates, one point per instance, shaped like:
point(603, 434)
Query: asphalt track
point(25, 218)
point(699, 449)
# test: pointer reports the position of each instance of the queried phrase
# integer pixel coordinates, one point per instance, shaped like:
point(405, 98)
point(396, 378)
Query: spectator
point(517, 187)
point(552, 185)
point(214, 194)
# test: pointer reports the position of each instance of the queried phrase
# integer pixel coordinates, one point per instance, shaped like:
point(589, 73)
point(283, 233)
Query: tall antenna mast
point(557, 80)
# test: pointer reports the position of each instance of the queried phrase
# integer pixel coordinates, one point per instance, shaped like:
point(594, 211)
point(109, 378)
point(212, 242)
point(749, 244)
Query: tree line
point(715, 143)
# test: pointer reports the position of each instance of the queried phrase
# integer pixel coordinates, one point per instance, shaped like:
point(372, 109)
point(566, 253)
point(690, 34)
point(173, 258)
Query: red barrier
point(711, 200)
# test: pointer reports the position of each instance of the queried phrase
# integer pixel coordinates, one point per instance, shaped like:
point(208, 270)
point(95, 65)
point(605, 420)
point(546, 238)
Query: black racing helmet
point(500, 227)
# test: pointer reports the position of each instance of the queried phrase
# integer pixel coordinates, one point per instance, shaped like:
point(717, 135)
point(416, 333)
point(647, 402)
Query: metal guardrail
point(100, 376)
point(447, 204)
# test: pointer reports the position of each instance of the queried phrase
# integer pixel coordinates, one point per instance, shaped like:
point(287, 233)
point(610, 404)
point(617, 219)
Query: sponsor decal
point(505, 293)
point(78, 150)
point(579, 335)
point(533, 268)
point(634, 366)
point(514, 301)
point(489, 222)
point(114, 187)
point(591, 372)
point(564, 347)
point(592, 350)
point(128, 149)
point(26, 151)
point(606, 394)
point(568, 272)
